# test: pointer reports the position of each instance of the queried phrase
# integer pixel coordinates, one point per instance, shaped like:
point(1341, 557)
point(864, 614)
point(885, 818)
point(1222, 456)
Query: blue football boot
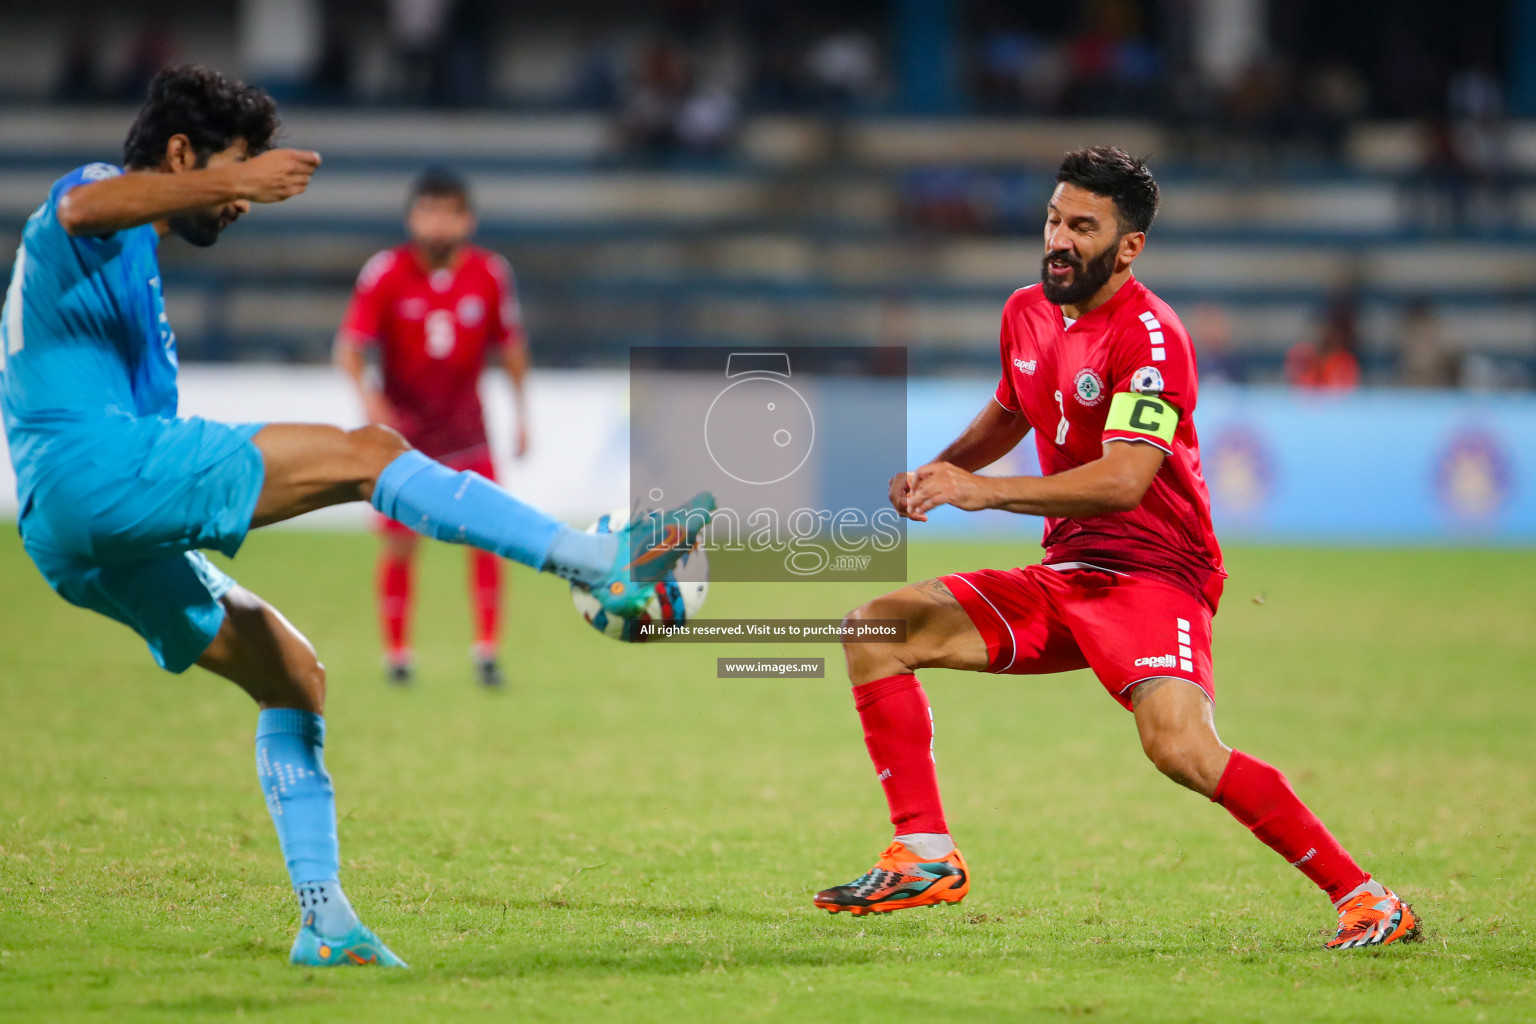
point(358, 948)
point(650, 546)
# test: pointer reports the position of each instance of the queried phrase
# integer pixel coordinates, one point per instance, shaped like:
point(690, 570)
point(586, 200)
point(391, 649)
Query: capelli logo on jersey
point(1161, 661)
point(1027, 365)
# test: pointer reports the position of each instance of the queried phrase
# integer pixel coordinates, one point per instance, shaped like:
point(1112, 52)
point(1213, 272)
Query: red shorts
point(476, 460)
point(1053, 619)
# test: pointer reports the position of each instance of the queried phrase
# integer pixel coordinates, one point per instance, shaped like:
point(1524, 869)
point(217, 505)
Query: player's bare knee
point(875, 660)
point(299, 683)
point(379, 442)
point(311, 680)
point(1191, 757)
point(375, 447)
point(1170, 753)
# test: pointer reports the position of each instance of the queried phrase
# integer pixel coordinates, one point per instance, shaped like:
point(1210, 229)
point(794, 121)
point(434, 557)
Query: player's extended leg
point(1178, 733)
point(921, 867)
point(485, 597)
point(397, 554)
point(309, 466)
point(266, 656)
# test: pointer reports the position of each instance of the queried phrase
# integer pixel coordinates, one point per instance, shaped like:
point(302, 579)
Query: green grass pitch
point(624, 836)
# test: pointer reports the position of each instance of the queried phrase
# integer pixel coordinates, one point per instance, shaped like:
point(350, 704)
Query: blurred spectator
point(774, 80)
point(1475, 101)
point(1260, 111)
point(330, 80)
point(670, 107)
point(940, 199)
point(1014, 67)
point(1337, 96)
point(1002, 57)
point(1483, 372)
point(709, 118)
point(417, 31)
point(1330, 363)
point(464, 74)
point(1436, 195)
point(1109, 67)
point(152, 48)
point(843, 69)
point(595, 78)
point(1211, 331)
point(1425, 359)
point(657, 90)
point(80, 72)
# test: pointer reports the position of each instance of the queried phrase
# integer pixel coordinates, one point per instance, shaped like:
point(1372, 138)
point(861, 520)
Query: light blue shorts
point(115, 525)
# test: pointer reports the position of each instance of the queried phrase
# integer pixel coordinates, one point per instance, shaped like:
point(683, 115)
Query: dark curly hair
point(1113, 173)
point(440, 182)
point(205, 106)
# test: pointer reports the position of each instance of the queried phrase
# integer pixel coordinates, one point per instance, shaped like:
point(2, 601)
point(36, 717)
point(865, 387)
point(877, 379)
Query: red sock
point(394, 588)
point(485, 593)
point(1259, 796)
point(898, 730)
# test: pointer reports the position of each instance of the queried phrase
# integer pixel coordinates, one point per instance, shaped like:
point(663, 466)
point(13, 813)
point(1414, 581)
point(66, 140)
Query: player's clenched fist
point(943, 483)
point(276, 175)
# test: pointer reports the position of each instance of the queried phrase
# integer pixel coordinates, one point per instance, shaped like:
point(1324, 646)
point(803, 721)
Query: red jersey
point(433, 329)
point(1124, 371)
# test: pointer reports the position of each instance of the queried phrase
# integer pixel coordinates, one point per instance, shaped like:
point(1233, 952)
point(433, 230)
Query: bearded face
point(201, 227)
point(1068, 280)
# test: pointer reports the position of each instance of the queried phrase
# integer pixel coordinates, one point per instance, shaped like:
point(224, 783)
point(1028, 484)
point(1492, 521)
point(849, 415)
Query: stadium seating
point(864, 231)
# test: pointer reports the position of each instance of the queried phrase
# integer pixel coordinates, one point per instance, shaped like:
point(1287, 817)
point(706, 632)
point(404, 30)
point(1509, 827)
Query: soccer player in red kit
point(433, 309)
point(1104, 373)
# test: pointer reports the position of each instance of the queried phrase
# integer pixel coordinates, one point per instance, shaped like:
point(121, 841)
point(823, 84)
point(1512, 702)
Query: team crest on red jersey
point(1088, 387)
point(471, 310)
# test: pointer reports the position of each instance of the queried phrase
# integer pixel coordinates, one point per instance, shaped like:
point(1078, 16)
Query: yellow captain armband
point(1142, 414)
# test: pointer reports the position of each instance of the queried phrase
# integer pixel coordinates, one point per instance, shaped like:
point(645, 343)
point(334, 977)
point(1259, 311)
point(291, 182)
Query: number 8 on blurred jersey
point(431, 311)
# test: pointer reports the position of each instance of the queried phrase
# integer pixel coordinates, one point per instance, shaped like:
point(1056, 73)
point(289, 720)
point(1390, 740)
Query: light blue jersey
point(116, 493)
point(84, 336)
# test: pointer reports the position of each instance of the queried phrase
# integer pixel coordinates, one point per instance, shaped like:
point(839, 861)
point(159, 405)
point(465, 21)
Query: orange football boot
point(900, 879)
point(1370, 920)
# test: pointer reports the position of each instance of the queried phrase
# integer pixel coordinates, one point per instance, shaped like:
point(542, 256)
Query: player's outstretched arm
point(514, 359)
point(143, 197)
point(349, 359)
point(994, 432)
point(1114, 482)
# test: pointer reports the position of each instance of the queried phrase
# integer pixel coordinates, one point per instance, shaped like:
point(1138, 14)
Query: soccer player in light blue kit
point(117, 493)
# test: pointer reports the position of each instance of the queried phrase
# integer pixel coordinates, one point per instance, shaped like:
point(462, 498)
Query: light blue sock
point(291, 766)
point(580, 556)
point(466, 508)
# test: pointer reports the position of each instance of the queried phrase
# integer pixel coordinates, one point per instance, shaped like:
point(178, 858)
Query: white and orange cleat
point(1374, 919)
point(900, 879)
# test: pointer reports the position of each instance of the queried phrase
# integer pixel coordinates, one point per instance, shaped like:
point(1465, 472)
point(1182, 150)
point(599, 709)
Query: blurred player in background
point(432, 310)
point(119, 495)
point(1104, 373)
